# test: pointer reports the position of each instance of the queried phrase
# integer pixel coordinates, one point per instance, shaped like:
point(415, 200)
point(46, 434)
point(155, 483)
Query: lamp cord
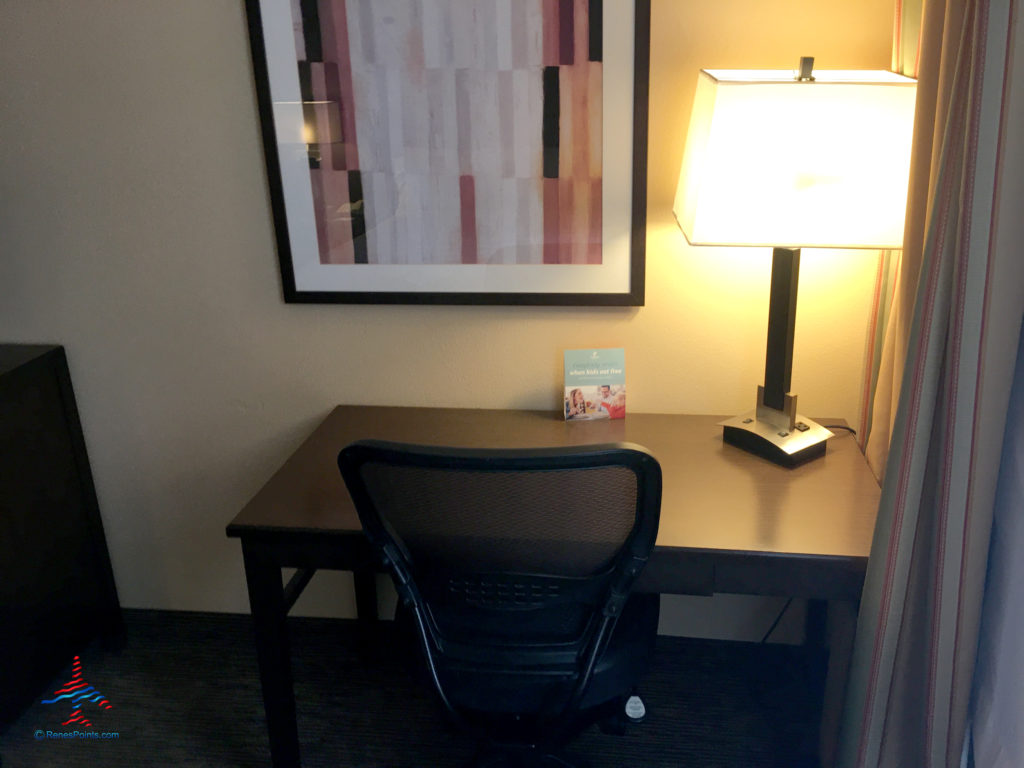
point(851, 430)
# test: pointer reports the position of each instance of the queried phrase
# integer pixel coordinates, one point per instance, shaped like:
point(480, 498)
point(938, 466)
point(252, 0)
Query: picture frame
point(417, 157)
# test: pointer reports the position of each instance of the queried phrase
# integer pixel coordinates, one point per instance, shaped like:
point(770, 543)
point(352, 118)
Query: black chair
point(514, 568)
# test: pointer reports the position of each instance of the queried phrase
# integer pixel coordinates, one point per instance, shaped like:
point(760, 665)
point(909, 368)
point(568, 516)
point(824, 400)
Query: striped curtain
point(898, 271)
point(998, 701)
point(888, 312)
point(957, 314)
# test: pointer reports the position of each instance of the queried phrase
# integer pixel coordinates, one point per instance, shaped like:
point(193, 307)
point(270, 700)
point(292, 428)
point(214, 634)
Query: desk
point(730, 522)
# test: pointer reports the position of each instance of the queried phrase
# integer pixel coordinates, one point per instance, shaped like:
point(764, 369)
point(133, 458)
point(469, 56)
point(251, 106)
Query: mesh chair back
point(514, 562)
point(526, 521)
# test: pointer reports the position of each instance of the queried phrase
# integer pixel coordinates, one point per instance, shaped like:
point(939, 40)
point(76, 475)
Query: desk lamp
point(791, 160)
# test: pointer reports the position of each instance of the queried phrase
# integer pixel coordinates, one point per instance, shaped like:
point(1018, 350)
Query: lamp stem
point(778, 367)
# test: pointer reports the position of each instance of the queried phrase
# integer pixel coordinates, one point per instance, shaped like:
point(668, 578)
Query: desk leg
point(815, 624)
point(840, 628)
point(267, 603)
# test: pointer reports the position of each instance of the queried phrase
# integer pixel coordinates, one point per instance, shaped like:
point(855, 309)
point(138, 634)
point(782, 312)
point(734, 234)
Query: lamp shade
point(774, 161)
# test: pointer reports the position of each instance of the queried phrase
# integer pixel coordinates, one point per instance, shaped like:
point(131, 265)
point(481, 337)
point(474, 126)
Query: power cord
point(851, 430)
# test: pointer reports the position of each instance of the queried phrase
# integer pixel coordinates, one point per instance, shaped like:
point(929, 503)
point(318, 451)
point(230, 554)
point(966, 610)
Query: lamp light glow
point(773, 161)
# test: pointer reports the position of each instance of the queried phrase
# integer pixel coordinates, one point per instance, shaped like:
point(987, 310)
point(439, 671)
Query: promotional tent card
point(595, 384)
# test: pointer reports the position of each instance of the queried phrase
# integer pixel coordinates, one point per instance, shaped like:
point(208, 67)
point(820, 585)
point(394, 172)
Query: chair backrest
point(512, 561)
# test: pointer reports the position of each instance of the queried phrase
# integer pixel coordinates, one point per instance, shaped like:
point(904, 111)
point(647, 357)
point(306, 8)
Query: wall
point(135, 230)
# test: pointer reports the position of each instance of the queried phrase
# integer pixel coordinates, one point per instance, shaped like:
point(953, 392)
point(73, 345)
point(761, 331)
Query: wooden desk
point(730, 522)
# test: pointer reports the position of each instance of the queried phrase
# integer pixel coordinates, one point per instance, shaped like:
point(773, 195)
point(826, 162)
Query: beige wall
point(135, 230)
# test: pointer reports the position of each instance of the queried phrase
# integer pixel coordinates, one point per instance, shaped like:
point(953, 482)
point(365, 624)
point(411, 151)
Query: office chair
point(514, 568)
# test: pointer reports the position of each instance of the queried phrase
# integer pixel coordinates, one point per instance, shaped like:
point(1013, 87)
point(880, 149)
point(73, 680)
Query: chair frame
point(616, 581)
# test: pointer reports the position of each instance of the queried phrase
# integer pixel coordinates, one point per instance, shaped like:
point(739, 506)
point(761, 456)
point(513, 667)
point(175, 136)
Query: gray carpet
point(185, 692)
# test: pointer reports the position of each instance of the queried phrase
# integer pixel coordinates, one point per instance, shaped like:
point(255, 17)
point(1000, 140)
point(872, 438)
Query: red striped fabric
point(926, 575)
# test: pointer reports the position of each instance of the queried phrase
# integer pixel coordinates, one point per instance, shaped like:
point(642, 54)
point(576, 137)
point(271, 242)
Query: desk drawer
point(671, 573)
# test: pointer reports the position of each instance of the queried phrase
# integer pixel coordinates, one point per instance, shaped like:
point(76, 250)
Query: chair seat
point(624, 661)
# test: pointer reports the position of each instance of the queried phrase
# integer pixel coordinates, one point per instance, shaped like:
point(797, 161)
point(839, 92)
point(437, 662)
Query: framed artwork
point(456, 151)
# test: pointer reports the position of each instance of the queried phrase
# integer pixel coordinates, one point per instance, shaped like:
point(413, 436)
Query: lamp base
point(789, 448)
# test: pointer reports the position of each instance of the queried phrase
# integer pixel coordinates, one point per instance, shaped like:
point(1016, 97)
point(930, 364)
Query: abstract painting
point(455, 151)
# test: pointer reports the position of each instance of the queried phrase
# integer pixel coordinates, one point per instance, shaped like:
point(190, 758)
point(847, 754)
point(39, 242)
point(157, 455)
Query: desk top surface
point(715, 496)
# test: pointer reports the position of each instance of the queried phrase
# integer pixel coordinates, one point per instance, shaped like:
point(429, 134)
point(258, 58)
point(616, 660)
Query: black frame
point(634, 296)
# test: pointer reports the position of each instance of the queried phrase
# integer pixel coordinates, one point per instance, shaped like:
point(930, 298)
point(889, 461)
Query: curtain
point(996, 712)
point(881, 338)
point(930, 54)
point(956, 320)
